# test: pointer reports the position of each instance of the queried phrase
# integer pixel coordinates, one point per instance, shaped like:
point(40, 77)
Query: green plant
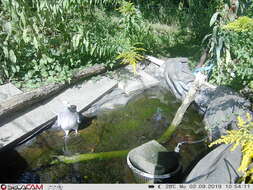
point(242, 24)
point(43, 41)
point(134, 33)
point(230, 49)
point(131, 56)
point(243, 137)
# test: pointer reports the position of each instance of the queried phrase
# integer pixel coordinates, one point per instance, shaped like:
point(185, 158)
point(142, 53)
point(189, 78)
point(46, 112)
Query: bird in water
point(68, 119)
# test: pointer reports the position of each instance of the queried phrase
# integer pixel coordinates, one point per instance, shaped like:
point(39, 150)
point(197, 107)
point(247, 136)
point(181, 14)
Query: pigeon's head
point(70, 107)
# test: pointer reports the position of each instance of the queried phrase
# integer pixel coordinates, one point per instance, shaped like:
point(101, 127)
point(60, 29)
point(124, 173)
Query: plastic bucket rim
point(148, 175)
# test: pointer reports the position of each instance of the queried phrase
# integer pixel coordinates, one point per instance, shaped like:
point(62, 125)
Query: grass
point(177, 42)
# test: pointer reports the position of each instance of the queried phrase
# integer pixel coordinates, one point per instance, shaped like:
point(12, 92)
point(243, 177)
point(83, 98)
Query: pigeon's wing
point(57, 123)
point(78, 119)
point(61, 118)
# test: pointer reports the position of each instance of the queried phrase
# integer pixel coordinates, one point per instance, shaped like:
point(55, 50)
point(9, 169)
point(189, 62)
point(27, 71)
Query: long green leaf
point(13, 57)
point(214, 18)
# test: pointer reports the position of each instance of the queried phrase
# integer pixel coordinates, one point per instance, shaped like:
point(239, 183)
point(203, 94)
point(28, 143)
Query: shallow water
point(144, 118)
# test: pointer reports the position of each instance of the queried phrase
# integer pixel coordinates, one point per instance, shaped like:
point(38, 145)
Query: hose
point(177, 148)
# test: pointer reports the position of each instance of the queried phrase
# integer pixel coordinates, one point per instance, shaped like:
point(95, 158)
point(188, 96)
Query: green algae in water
point(144, 118)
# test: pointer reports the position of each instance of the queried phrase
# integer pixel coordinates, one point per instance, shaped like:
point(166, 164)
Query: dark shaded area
point(12, 166)
point(85, 121)
point(169, 163)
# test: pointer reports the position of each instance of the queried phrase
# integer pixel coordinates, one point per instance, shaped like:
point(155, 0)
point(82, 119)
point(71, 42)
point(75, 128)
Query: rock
point(219, 166)
point(224, 106)
point(7, 91)
point(153, 158)
point(140, 81)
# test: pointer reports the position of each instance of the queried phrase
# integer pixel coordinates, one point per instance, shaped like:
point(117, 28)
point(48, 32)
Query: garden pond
point(145, 117)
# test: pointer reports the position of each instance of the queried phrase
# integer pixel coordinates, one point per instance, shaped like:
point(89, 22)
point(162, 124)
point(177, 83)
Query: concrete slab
point(24, 124)
point(8, 90)
point(138, 82)
point(81, 95)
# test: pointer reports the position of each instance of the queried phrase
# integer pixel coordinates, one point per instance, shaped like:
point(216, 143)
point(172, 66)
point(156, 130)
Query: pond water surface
point(144, 118)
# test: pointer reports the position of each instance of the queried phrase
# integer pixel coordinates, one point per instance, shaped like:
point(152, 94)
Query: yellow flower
point(242, 24)
point(244, 138)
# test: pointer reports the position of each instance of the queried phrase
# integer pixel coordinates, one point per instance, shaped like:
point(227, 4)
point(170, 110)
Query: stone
point(222, 111)
point(82, 95)
point(24, 124)
point(8, 90)
point(112, 100)
point(140, 81)
point(156, 61)
point(218, 167)
point(153, 158)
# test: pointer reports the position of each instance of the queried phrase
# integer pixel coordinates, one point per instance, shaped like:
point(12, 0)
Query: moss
point(90, 156)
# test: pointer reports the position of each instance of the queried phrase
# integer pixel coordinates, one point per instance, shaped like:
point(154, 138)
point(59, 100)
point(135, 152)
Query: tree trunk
point(26, 99)
point(190, 96)
point(203, 58)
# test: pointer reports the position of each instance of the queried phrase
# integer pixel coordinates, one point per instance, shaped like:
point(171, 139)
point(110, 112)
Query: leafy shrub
point(237, 65)
point(242, 24)
point(43, 41)
point(230, 50)
point(243, 137)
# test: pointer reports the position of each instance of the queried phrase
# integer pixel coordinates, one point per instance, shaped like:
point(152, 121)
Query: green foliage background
point(230, 47)
point(44, 41)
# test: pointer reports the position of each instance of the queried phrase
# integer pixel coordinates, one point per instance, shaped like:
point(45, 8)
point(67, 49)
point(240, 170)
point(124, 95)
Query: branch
point(89, 156)
point(190, 96)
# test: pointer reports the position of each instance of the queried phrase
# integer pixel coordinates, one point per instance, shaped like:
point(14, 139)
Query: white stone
point(8, 90)
point(155, 60)
point(139, 82)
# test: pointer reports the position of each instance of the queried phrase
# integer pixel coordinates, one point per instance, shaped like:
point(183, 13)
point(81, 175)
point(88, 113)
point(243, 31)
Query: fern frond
point(131, 56)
